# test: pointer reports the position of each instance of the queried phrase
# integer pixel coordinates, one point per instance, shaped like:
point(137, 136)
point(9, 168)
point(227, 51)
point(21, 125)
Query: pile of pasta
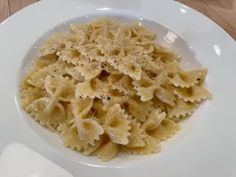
point(107, 88)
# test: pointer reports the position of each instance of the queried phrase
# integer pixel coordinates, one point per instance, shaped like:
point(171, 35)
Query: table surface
point(223, 12)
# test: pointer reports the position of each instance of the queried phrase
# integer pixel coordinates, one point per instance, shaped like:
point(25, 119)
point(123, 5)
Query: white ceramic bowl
point(206, 145)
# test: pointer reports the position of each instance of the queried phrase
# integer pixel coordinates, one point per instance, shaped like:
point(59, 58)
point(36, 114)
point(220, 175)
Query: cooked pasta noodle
point(108, 88)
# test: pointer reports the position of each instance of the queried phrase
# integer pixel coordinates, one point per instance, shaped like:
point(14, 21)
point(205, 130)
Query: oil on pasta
point(108, 88)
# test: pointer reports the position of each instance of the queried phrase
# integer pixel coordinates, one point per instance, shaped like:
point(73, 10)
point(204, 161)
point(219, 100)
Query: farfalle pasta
point(106, 88)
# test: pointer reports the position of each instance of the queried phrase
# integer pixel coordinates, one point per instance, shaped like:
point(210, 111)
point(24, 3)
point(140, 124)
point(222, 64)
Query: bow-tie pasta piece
point(116, 125)
point(69, 54)
point(154, 119)
point(85, 89)
point(107, 48)
point(186, 79)
point(92, 148)
point(112, 100)
point(166, 95)
point(151, 146)
point(172, 68)
point(88, 130)
point(74, 73)
point(147, 48)
point(165, 55)
point(192, 94)
point(165, 130)
point(90, 71)
point(92, 52)
point(57, 42)
point(105, 23)
point(126, 85)
point(145, 93)
point(145, 87)
point(137, 135)
point(84, 30)
point(81, 107)
point(47, 111)
point(126, 66)
point(30, 94)
point(94, 88)
point(181, 108)
point(70, 138)
point(68, 112)
point(37, 78)
point(97, 111)
point(158, 104)
point(153, 65)
point(107, 151)
point(54, 43)
point(61, 87)
point(123, 35)
point(109, 69)
point(122, 83)
point(139, 30)
point(37, 107)
point(138, 109)
point(45, 61)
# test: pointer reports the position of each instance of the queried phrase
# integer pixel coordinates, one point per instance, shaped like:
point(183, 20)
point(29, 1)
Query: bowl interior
point(165, 37)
